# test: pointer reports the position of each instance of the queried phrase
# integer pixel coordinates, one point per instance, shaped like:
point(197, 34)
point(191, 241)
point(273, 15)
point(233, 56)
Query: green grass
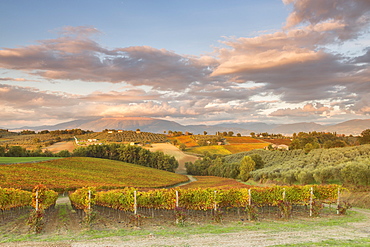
point(14, 160)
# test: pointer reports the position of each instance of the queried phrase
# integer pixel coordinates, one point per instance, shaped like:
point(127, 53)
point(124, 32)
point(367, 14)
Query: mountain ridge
point(146, 124)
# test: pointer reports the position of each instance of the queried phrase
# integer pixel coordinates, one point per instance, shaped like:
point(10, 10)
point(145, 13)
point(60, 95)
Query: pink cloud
point(305, 111)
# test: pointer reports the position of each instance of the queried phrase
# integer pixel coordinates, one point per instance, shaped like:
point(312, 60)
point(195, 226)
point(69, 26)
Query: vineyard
point(40, 199)
point(72, 173)
point(126, 136)
point(178, 205)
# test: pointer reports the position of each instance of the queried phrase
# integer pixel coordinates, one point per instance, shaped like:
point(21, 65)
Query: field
point(71, 173)
point(242, 139)
point(278, 141)
point(59, 146)
point(219, 149)
point(171, 150)
point(237, 148)
point(186, 140)
point(14, 160)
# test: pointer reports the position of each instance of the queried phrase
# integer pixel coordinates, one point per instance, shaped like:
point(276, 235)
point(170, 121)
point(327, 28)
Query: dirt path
point(180, 156)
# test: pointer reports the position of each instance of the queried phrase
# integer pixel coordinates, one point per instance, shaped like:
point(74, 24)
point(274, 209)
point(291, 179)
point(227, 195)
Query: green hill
point(348, 165)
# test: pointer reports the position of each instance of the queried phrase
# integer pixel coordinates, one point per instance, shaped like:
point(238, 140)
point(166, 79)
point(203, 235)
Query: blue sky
point(189, 61)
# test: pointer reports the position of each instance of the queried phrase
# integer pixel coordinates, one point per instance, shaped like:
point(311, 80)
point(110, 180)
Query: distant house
point(280, 147)
point(120, 131)
point(135, 143)
point(110, 132)
point(92, 140)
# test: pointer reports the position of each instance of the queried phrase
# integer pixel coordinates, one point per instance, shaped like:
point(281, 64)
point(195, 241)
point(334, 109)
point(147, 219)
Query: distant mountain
point(288, 129)
point(257, 127)
point(352, 127)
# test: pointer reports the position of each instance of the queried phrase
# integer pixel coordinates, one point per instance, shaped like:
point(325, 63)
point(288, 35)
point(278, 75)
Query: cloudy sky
point(193, 62)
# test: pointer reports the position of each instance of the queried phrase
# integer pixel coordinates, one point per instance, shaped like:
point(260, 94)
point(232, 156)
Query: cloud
point(308, 110)
point(16, 79)
point(353, 15)
point(77, 57)
point(129, 96)
point(245, 79)
point(295, 63)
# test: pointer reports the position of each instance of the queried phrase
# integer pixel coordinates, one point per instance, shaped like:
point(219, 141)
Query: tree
point(258, 161)
point(205, 133)
point(253, 135)
point(63, 153)
point(230, 133)
point(182, 147)
point(246, 166)
point(2, 151)
point(365, 136)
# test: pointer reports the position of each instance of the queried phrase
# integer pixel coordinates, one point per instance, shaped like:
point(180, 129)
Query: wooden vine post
point(135, 203)
point(89, 198)
point(215, 201)
point(249, 197)
point(338, 200)
point(311, 201)
point(37, 200)
point(177, 198)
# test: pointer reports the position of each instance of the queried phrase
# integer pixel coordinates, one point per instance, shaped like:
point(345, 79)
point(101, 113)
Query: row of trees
point(315, 140)
point(130, 154)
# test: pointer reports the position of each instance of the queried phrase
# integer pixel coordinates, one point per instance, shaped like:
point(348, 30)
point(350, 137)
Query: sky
point(193, 62)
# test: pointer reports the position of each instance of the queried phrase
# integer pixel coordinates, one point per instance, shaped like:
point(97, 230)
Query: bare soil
point(60, 146)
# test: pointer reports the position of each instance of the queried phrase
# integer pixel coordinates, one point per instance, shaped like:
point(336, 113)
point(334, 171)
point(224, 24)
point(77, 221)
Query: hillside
point(351, 127)
point(71, 173)
point(347, 165)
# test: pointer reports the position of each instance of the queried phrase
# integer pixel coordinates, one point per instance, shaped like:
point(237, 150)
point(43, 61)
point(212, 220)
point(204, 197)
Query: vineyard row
point(129, 199)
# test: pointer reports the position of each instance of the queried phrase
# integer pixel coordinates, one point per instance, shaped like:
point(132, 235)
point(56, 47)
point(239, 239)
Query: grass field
point(210, 149)
point(71, 173)
point(14, 160)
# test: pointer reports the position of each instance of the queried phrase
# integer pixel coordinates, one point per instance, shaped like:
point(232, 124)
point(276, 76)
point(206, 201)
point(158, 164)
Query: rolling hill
point(76, 172)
